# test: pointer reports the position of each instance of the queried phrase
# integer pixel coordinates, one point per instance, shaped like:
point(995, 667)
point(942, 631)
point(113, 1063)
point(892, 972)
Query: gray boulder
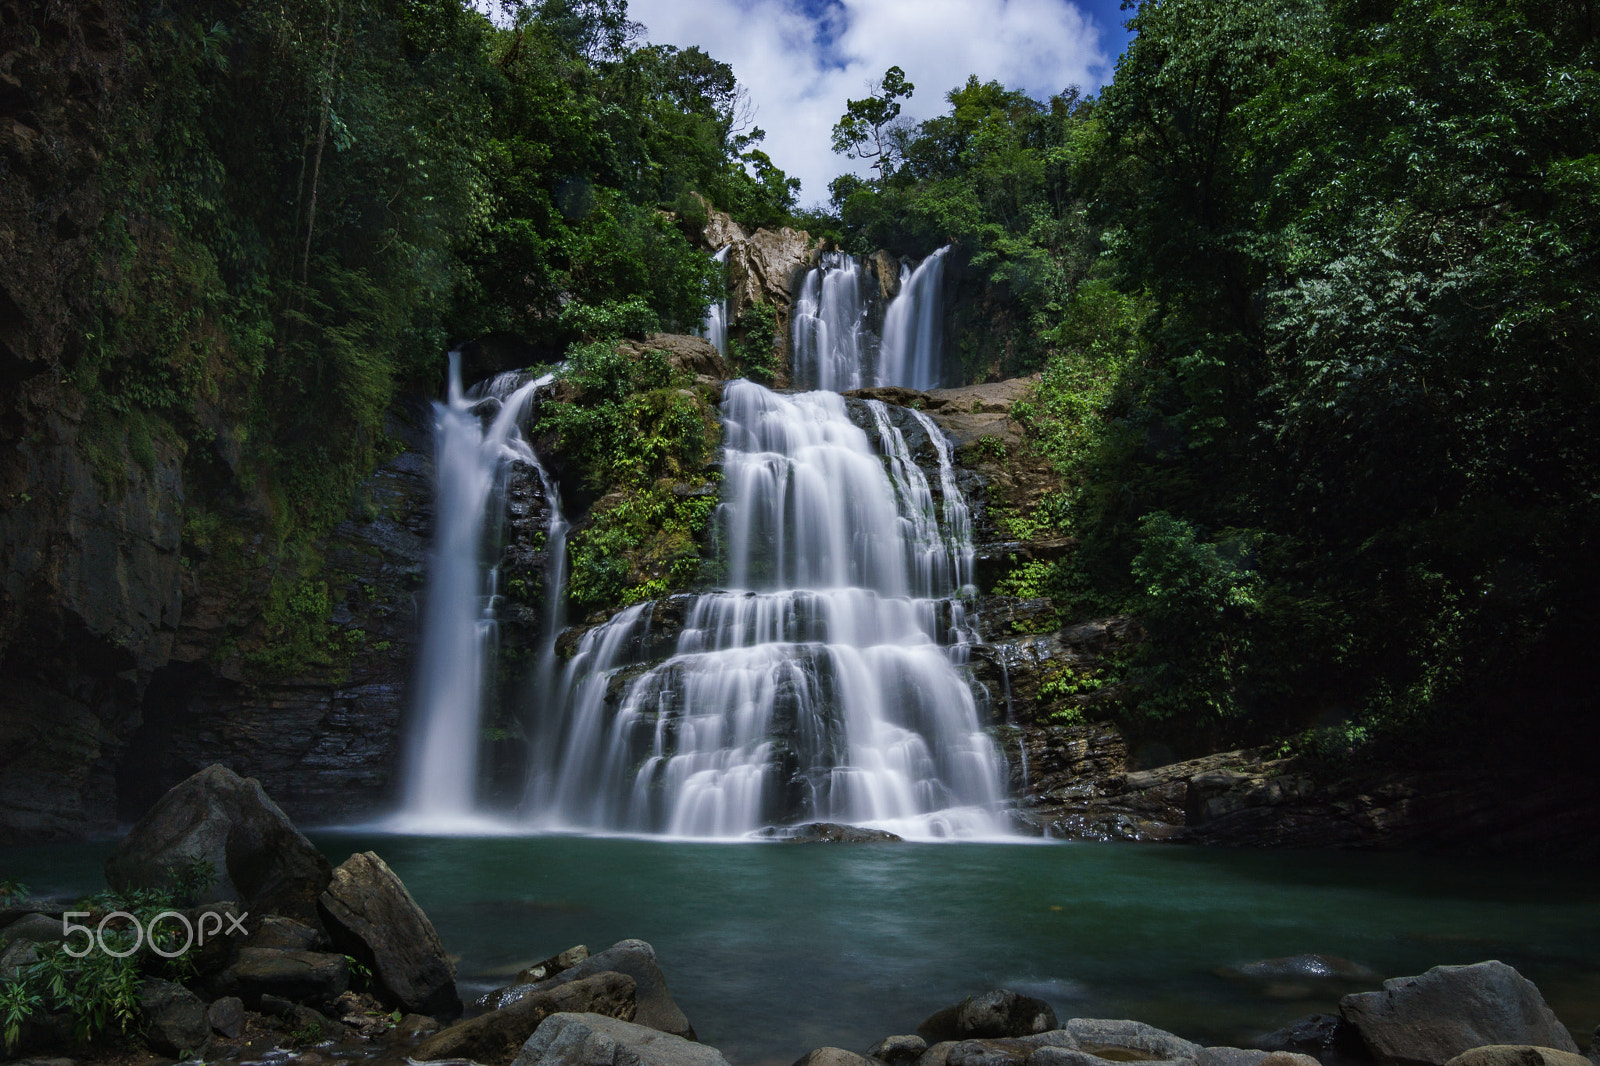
point(19, 943)
point(226, 1017)
point(653, 1003)
point(1229, 1056)
point(996, 1051)
point(174, 1017)
point(595, 1040)
point(832, 1056)
point(276, 931)
point(495, 1038)
point(33, 929)
point(543, 971)
point(1064, 1056)
point(294, 976)
point(217, 817)
point(999, 1013)
point(1315, 1035)
point(1517, 1055)
point(1116, 1039)
point(370, 915)
point(898, 1049)
point(1429, 1020)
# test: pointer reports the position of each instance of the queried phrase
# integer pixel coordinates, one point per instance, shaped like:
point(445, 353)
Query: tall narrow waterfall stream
point(476, 436)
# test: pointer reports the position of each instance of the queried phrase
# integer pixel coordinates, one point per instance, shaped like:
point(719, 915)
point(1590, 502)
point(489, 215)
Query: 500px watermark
point(146, 932)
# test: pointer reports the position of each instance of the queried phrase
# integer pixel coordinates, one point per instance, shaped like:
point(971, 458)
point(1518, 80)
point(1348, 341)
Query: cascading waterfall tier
point(913, 350)
point(830, 338)
point(833, 344)
point(476, 438)
point(822, 684)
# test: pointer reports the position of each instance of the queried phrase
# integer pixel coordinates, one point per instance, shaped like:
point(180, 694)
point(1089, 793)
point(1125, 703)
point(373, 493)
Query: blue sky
point(802, 59)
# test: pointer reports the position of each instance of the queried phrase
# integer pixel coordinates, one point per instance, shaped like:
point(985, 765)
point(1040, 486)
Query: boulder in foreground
point(494, 1039)
point(998, 1013)
point(1429, 1020)
point(595, 1040)
point(654, 1005)
point(370, 915)
point(1517, 1055)
point(227, 822)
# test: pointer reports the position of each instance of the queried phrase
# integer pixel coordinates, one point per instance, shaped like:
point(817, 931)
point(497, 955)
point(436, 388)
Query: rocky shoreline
point(323, 963)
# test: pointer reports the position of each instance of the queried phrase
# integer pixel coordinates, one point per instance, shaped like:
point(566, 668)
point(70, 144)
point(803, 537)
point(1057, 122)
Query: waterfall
point(829, 326)
point(714, 327)
point(821, 684)
point(913, 347)
point(475, 439)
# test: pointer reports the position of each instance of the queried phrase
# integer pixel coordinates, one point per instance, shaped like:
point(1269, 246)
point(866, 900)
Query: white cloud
point(800, 69)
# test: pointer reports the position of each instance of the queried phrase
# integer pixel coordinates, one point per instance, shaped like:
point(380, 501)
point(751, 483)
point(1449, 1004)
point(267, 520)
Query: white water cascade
point(913, 347)
point(475, 440)
point(714, 328)
point(821, 684)
point(829, 326)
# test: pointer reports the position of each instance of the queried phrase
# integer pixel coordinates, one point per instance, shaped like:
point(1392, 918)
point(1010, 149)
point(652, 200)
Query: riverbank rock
point(1125, 1040)
point(1317, 1035)
point(227, 822)
point(555, 964)
point(495, 1038)
point(1429, 1020)
point(595, 1040)
point(653, 1003)
point(999, 1013)
point(370, 914)
point(296, 976)
point(174, 1017)
point(898, 1049)
point(1008, 1051)
point(1517, 1055)
point(832, 1056)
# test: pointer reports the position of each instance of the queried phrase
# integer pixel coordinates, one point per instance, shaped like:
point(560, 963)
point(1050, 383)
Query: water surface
point(773, 949)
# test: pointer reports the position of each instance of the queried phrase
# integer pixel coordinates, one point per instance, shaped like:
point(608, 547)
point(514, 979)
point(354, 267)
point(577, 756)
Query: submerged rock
point(1429, 1020)
point(826, 833)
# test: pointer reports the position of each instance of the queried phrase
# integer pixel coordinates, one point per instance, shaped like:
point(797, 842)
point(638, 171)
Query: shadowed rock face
point(370, 914)
point(495, 1038)
point(218, 818)
point(1429, 1020)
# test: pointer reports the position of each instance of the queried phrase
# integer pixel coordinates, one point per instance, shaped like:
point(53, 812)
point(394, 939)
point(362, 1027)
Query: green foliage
point(640, 547)
point(754, 345)
point(640, 441)
point(99, 990)
point(306, 202)
point(865, 130)
point(994, 176)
